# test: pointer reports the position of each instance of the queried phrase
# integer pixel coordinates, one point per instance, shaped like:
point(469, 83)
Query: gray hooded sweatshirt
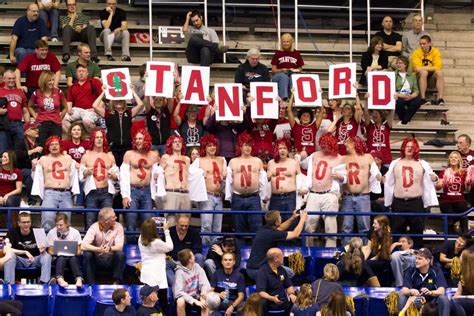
point(190, 283)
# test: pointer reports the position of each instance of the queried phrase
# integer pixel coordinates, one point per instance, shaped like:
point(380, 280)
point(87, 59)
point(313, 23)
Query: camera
point(160, 222)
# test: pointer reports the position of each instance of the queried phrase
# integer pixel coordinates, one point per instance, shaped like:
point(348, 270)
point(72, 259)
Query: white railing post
point(279, 23)
point(296, 24)
point(150, 27)
point(223, 28)
point(350, 31)
point(368, 22)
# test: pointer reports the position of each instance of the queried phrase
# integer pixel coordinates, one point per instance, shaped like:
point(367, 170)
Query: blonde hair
point(288, 37)
point(331, 272)
point(43, 80)
point(304, 299)
point(456, 153)
point(253, 306)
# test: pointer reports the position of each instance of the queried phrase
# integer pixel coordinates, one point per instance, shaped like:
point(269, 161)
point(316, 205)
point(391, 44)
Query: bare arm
point(176, 117)
point(139, 107)
point(291, 116)
point(57, 76)
point(358, 110)
point(30, 109)
point(299, 228)
point(13, 42)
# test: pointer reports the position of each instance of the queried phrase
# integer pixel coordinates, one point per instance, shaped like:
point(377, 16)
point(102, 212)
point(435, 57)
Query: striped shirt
point(81, 19)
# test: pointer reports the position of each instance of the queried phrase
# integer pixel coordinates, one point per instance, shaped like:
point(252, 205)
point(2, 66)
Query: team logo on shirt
point(9, 177)
point(48, 104)
point(13, 104)
point(469, 158)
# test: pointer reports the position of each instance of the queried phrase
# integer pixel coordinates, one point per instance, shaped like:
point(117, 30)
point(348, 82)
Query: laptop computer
point(65, 248)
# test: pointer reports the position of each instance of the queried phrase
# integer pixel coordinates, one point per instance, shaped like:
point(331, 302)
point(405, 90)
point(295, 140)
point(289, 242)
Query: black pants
point(416, 223)
point(74, 263)
point(455, 208)
point(270, 306)
point(47, 129)
point(201, 51)
point(87, 35)
point(114, 262)
point(407, 109)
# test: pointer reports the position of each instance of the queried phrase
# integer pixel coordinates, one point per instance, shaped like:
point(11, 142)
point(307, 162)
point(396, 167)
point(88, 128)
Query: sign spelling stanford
point(265, 104)
point(342, 78)
point(228, 102)
point(195, 84)
point(381, 89)
point(307, 90)
point(159, 80)
point(117, 84)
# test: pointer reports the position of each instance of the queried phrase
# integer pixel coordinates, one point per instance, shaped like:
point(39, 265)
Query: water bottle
point(226, 298)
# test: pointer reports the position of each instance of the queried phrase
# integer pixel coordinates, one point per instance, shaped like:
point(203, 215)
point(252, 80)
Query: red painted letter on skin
point(279, 177)
point(310, 95)
point(160, 69)
point(342, 77)
point(353, 173)
point(231, 101)
point(245, 176)
point(181, 164)
point(321, 169)
point(195, 85)
point(261, 100)
point(407, 176)
point(99, 169)
point(142, 172)
point(57, 174)
point(216, 173)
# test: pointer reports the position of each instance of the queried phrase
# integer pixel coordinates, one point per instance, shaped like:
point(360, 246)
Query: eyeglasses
point(25, 222)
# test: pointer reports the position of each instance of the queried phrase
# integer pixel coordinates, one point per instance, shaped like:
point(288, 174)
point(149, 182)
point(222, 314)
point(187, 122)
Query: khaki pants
point(175, 201)
point(327, 202)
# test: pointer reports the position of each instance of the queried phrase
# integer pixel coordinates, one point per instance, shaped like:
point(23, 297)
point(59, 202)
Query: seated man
point(25, 251)
point(114, 29)
point(149, 296)
point(83, 58)
point(454, 248)
point(26, 31)
point(122, 304)
point(203, 45)
point(191, 285)
point(103, 247)
point(427, 63)
point(229, 283)
point(402, 258)
point(425, 280)
point(213, 260)
point(274, 285)
point(392, 41)
point(63, 231)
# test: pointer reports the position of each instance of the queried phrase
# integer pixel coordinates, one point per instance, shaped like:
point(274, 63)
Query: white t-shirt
point(73, 235)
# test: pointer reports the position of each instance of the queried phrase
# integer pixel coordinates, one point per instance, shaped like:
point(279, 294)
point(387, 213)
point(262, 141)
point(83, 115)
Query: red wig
point(105, 144)
point(416, 148)
point(146, 140)
point(207, 140)
point(359, 145)
point(243, 138)
point(328, 144)
point(280, 141)
point(48, 142)
point(169, 144)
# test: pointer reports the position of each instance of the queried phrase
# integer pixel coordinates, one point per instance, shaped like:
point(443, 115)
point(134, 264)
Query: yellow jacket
point(431, 59)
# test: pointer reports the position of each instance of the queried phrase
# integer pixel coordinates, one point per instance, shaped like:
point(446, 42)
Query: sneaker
point(66, 57)
point(126, 58)
point(425, 102)
point(95, 59)
point(110, 58)
point(54, 39)
point(223, 48)
point(52, 281)
point(440, 102)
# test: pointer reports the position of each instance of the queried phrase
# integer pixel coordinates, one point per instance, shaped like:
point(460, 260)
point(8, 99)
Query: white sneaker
point(54, 40)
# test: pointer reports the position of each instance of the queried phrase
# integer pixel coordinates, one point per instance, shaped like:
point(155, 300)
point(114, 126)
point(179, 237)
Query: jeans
point(201, 51)
point(114, 262)
point(442, 301)
point(86, 35)
point(141, 200)
point(52, 15)
point(13, 201)
point(400, 262)
point(74, 263)
point(123, 38)
point(42, 261)
point(28, 182)
point(252, 220)
point(283, 203)
point(211, 223)
point(21, 53)
point(16, 137)
point(284, 84)
point(210, 267)
point(462, 306)
point(54, 199)
point(353, 203)
point(97, 199)
point(171, 267)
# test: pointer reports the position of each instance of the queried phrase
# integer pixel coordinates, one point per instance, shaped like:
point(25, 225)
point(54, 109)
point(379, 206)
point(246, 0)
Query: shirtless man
point(282, 173)
point(99, 172)
point(409, 188)
point(361, 171)
point(324, 185)
point(135, 175)
point(245, 185)
point(55, 180)
point(176, 170)
point(214, 174)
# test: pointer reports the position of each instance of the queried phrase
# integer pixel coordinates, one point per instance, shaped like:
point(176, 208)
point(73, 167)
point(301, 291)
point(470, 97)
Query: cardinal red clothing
point(16, 102)
point(8, 180)
point(83, 95)
point(305, 137)
point(453, 191)
point(282, 129)
point(378, 139)
point(344, 131)
point(49, 107)
point(467, 159)
point(263, 136)
point(285, 59)
point(33, 66)
point(76, 151)
point(329, 113)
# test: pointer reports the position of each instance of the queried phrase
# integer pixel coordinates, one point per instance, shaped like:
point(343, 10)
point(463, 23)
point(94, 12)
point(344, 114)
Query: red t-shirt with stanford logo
point(8, 180)
point(378, 139)
point(453, 191)
point(76, 151)
point(305, 137)
point(343, 132)
point(33, 66)
point(286, 59)
point(48, 106)
point(16, 102)
point(467, 159)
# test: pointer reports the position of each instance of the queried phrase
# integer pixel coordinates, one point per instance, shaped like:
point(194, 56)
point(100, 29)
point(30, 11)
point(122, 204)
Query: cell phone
point(418, 302)
point(302, 208)
point(2, 243)
point(160, 222)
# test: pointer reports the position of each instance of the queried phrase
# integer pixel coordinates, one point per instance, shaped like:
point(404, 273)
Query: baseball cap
point(147, 290)
point(192, 108)
point(425, 252)
point(29, 125)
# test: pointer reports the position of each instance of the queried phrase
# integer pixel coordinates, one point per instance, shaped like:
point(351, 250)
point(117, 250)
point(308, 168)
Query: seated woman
point(463, 300)
point(304, 305)
point(10, 181)
point(323, 288)
point(336, 306)
point(407, 93)
point(374, 59)
point(285, 62)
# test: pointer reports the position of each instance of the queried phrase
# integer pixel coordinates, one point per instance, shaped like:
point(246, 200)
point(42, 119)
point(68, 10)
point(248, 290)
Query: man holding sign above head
point(245, 185)
point(285, 62)
point(203, 46)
